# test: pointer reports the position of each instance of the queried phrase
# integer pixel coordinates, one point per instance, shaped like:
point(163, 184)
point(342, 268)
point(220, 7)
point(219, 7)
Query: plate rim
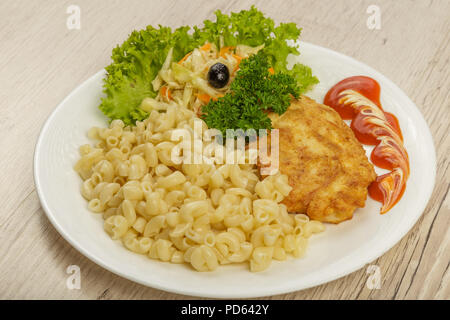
point(282, 289)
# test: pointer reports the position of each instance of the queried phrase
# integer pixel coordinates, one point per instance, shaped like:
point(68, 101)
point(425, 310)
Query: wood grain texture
point(42, 61)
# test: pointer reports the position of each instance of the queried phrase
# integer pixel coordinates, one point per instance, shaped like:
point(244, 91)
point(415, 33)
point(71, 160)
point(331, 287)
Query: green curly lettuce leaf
point(135, 64)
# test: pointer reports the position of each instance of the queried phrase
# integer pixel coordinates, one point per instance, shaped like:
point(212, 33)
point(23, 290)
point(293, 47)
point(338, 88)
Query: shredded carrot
point(204, 97)
point(225, 50)
point(206, 46)
point(238, 58)
point(165, 92)
point(218, 96)
point(271, 71)
point(185, 57)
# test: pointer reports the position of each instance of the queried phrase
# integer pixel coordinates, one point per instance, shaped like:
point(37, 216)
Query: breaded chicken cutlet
point(326, 165)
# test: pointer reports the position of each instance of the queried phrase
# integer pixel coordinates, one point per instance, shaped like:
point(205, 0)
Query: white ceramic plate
point(338, 251)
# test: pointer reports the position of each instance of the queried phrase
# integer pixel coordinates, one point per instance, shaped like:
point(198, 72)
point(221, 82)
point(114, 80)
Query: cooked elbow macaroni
point(202, 214)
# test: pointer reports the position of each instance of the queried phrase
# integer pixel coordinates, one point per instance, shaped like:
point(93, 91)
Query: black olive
point(218, 75)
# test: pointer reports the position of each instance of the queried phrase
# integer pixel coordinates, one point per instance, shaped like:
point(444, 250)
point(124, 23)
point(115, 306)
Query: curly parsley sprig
point(253, 93)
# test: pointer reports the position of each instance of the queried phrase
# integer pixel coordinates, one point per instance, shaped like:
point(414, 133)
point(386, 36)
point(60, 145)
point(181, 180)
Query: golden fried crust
point(326, 165)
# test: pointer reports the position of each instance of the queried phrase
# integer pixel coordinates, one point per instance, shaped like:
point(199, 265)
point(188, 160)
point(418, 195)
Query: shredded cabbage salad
point(157, 67)
point(184, 82)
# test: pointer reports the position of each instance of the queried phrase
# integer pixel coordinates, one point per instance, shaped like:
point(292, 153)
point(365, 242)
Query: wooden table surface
point(42, 61)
